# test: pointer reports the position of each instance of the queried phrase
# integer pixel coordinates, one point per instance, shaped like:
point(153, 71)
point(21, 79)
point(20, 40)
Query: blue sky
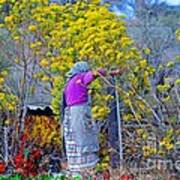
point(173, 2)
point(128, 10)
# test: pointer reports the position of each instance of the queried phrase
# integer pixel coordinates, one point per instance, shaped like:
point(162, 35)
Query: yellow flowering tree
point(61, 35)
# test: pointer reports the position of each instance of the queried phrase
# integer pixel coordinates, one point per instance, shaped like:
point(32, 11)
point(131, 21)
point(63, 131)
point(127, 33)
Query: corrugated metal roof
point(35, 107)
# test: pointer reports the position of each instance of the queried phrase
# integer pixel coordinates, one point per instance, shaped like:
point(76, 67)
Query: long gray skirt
point(81, 138)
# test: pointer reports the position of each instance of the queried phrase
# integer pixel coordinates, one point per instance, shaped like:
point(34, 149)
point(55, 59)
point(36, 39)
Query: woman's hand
point(99, 72)
point(95, 73)
point(102, 72)
point(117, 72)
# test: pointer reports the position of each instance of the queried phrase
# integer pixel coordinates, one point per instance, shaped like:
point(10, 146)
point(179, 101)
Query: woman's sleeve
point(89, 76)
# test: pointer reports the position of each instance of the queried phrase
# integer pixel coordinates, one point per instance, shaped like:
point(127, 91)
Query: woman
point(80, 131)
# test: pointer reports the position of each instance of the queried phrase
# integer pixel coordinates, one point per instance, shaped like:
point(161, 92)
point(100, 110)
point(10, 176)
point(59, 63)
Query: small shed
point(41, 125)
point(39, 121)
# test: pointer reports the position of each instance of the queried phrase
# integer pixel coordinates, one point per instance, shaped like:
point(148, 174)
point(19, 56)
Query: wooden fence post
point(119, 125)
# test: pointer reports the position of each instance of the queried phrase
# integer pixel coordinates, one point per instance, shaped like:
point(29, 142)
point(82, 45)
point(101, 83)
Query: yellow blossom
point(147, 51)
point(143, 63)
point(32, 28)
point(170, 64)
point(8, 19)
point(163, 88)
point(1, 80)
point(1, 25)
point(45, 78)
point(177, 81)
point(2, 96)
point(44, 62)
point(2, 1)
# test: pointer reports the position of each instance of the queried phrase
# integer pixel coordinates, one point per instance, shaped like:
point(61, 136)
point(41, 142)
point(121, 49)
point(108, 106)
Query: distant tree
point(6, 56)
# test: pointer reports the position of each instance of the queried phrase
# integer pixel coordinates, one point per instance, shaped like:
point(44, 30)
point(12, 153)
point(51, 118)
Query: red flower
point(36, 154)
point(126, 177)
point(2, 168)
point(24, 138)
point(106, 175)
point(18, 161)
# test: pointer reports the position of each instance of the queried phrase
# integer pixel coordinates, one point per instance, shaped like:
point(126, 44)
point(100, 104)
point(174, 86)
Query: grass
point(18, 177)
point(115, 174)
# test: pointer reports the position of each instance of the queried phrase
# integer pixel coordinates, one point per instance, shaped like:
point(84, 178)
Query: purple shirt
point(76, 91)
